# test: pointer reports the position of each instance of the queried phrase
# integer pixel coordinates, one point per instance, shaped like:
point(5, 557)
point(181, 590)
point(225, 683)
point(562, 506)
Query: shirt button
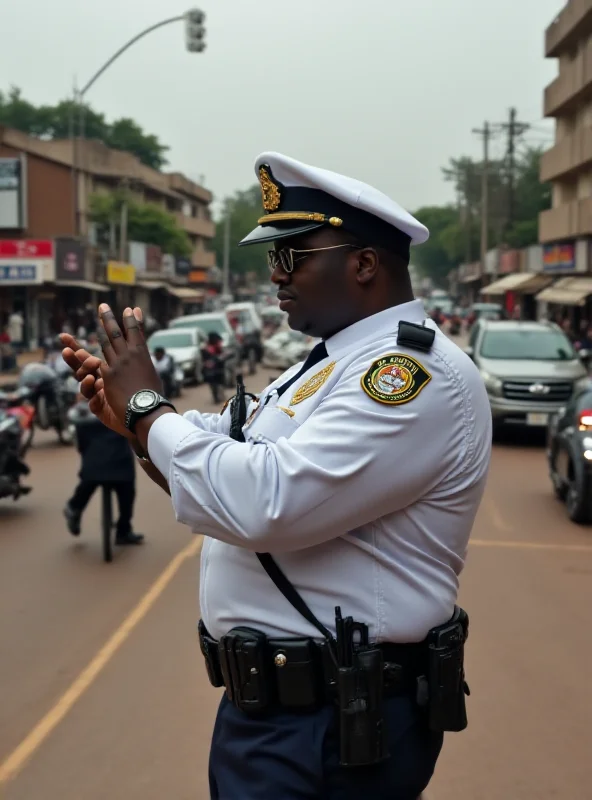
point(259, 437)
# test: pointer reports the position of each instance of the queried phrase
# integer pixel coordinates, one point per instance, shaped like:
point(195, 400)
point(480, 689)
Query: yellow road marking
point(574, 548)
point(17, 759)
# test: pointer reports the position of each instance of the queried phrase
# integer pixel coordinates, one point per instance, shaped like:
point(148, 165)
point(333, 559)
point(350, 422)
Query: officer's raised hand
point(128, 367)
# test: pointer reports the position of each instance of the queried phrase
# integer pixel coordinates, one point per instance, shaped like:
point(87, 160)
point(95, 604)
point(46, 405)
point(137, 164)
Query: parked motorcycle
point(12, 467)
point(18, 404)
point(52, 395)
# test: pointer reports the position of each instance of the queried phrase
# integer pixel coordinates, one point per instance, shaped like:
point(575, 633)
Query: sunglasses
point(284, 258)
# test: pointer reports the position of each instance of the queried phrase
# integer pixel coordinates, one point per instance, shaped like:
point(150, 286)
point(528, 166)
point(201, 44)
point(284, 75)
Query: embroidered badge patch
point(395, 379)
point(312, 385)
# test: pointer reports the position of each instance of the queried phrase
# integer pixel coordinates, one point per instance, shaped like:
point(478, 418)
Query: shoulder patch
point(312, 385)
point(395, 379)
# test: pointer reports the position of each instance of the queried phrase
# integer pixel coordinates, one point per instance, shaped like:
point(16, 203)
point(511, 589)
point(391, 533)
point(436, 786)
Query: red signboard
point(26, 248)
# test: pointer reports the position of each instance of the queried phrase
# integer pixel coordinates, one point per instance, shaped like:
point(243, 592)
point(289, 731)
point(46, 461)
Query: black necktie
point(318, 353)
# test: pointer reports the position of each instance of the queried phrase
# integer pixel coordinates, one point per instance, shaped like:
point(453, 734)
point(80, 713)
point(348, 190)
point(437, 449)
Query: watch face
point(144, 399)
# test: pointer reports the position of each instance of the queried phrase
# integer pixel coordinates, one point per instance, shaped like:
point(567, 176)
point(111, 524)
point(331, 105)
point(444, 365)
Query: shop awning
point(524, 282)
point(152, 285)
point(185, 293)
point(90, 285)
point(567, 292)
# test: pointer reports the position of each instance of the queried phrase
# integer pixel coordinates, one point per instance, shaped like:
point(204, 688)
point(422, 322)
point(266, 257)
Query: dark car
point(569, 451)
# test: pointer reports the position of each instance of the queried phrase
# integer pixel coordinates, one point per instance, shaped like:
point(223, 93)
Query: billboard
point(70, 257)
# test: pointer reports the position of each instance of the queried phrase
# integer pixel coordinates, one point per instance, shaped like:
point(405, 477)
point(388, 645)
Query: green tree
point(433, 259)
point(146, 222)
point(244, 209)
point(58, 122)
point(125, 134)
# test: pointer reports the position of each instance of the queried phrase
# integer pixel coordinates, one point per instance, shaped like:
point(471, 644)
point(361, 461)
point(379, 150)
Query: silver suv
point(530, 369)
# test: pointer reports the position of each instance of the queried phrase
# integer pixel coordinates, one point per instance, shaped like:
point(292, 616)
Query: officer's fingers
point(99, 384)
point(89, 365)
point(138, 314)
point(117, 344)
point(87, 387)
point(106, 346)
point(97, 403)
point(71, 358)
point(133, 334)
point(69, 341)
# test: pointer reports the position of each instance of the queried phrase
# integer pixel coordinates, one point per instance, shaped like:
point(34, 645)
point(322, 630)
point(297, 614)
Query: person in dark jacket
point(106, 457)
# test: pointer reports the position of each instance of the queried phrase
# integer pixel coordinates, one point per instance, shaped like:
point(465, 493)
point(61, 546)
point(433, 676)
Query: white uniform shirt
point(364, 504)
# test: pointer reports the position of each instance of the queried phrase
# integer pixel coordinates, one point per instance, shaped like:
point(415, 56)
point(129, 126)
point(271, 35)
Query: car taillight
point(585, 419)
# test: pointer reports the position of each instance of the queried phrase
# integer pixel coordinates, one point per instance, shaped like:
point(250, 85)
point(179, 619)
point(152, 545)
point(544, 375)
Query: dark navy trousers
point(289, 756)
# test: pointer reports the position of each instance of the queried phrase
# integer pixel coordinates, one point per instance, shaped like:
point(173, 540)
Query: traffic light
point(195, 32)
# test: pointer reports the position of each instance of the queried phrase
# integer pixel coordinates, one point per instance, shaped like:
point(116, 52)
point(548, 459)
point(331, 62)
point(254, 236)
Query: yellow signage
point(118, 272)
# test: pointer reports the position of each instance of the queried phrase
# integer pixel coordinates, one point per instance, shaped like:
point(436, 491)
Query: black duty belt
point(261, 673)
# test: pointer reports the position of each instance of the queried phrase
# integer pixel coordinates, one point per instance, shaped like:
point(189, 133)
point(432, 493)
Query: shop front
point(469, 282)
point(121, 278)
point(76, 295)
point(25, 266)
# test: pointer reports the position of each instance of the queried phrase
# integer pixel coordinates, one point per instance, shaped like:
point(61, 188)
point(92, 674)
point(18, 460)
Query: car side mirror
point(584, 354)
point(470, 352)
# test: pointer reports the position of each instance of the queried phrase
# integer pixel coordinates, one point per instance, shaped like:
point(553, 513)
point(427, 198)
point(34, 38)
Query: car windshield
point(170, 340)
point(538, 345)
point(211, 325)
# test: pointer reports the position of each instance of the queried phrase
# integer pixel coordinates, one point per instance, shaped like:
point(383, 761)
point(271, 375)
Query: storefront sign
point(118, 272)
point(13, 193)
point(559, 258)
point(492, 261)
point(509, 262)
point(26, 248)
point(182, 266)
point(70, 257)
point(19, 274)
point(198, 276)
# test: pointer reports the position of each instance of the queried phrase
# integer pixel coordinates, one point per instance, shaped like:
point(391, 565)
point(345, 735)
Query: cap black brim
point(269, 233)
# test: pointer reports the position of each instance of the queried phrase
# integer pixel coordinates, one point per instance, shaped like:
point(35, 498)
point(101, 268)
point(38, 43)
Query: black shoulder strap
point(238, 414)
point(290, 593)
point(416, 337)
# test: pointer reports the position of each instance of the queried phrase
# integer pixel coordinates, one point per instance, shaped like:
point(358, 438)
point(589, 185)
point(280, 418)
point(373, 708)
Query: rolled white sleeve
point(213, 423)
point(351, 462)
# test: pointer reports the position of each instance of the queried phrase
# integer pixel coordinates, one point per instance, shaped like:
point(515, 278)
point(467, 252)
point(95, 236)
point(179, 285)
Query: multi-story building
point(45, 191)
point(565, 230)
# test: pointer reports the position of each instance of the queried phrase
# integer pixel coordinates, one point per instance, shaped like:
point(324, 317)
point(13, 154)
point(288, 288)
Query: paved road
point(102, 691)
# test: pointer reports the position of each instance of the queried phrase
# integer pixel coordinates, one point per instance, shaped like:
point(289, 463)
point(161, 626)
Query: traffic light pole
point(79, 96)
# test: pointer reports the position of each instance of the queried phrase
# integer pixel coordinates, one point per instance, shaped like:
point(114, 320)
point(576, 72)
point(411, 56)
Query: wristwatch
point(144, 402)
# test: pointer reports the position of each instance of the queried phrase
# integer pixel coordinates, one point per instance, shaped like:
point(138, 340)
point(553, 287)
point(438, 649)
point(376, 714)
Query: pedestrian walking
point(336, 506)
point(106, 458)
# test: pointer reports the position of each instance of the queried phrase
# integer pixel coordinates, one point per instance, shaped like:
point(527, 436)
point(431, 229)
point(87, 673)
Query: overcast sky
point(383, 90)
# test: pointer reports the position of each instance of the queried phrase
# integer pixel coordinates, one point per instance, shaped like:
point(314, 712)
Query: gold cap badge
point(270, 191)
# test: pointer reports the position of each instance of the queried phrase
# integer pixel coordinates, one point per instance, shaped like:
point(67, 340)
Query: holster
point(443, 688)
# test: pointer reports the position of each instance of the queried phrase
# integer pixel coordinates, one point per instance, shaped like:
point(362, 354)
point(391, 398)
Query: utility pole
point(514, 130)
point(226, 261)
point(485, 133)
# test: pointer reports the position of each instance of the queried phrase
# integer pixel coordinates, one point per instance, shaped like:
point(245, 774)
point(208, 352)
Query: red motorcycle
point(18, 404)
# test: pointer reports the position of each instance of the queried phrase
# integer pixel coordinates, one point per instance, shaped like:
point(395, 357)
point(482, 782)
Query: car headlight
point(187, 365)
point(492, 384)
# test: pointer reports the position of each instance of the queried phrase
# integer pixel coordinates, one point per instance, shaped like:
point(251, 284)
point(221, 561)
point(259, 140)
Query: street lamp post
point(194, 42)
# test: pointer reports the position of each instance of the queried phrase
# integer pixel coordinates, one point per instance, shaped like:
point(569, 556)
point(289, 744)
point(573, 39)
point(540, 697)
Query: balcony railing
point(574, 22)
point(203, 259)
point(196, 226)
point(570, 154)
point(566, 221)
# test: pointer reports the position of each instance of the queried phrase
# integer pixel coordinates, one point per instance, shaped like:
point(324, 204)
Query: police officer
point(359, 471)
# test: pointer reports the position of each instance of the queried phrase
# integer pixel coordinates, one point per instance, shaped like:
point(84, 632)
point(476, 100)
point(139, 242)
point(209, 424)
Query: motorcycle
point(12, 467)
point(51, 395)
point(18, 404)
